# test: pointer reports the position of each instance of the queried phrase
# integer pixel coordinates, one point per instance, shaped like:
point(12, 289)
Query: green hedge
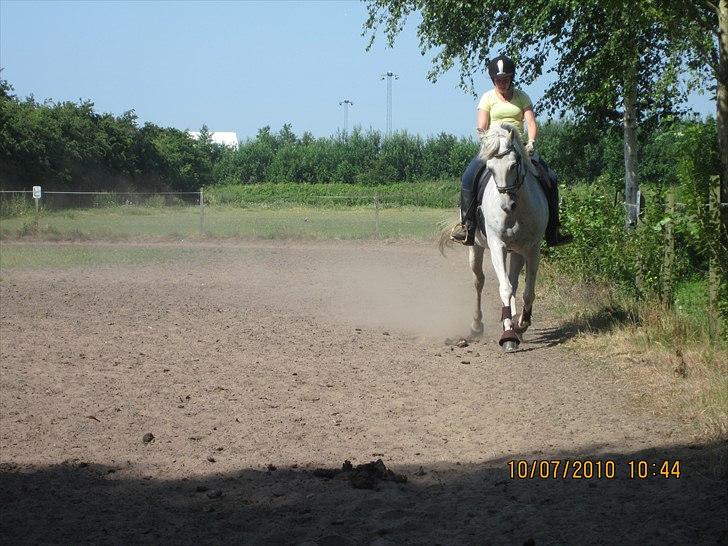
point(441, 194)
point(633, 261)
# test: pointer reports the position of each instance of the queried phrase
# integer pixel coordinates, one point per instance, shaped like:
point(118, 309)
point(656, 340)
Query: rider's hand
point(531, 147)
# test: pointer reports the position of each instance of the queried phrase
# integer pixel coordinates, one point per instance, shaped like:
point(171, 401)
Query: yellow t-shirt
point(506, 112)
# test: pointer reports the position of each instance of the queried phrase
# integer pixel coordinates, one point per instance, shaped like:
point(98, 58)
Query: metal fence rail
point(60, 200)
point(188, 213)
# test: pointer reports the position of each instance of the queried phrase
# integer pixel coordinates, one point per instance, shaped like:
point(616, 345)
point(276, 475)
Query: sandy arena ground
point(301, 356)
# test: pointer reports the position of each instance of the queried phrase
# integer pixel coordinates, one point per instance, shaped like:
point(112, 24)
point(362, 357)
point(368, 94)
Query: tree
point(701, 30)
point(609, 53)
point(186, 167)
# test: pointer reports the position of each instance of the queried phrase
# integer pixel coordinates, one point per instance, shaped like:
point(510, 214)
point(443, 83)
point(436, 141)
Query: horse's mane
point(490, 143)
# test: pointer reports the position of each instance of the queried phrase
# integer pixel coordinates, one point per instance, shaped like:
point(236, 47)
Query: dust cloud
point(413, 290)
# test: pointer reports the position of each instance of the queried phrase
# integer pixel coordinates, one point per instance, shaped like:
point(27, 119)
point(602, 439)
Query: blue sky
point(235, 66)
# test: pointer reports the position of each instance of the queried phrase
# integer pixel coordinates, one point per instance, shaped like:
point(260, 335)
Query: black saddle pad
point(481, 181)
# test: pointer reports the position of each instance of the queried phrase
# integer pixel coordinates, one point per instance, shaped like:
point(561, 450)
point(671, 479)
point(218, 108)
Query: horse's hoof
point(521, 328)
point(518, 327)
point(476, 334)
point(509, 341)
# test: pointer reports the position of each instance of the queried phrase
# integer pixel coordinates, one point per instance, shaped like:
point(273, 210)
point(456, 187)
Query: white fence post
point(37, 193)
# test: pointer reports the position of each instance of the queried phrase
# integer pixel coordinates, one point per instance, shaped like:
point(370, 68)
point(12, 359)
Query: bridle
point(520, 177)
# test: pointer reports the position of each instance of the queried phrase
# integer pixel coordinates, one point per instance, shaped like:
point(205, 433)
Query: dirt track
point(303, 355)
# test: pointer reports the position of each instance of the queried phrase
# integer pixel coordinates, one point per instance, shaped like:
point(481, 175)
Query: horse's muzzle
point(508, 202)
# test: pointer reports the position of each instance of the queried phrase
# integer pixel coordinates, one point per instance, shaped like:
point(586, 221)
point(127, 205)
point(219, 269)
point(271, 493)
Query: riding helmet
point(501, 66)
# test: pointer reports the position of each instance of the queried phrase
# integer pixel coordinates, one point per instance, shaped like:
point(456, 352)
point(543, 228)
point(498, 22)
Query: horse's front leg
point(509, 339)
point(533, 259)
point(514, 264)
point(475, 258)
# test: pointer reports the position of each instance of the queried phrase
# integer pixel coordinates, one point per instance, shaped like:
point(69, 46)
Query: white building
point(225, 138)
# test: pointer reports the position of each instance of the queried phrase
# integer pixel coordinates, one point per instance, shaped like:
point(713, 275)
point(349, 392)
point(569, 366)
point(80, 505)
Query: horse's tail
point(444, 240)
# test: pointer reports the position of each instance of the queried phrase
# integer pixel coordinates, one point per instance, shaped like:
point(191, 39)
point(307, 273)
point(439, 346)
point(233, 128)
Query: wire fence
point(15, 201)
point(118, 215)
point(124, 214)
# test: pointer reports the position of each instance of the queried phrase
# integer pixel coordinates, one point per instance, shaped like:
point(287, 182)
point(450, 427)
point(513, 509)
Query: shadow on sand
point(602, 320)
point(444, 503)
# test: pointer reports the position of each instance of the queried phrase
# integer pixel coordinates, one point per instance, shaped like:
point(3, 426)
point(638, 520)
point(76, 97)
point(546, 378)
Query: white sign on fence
point(36, 192)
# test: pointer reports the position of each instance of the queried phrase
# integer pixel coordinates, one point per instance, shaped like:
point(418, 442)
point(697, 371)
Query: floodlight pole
point(346, 103)
point(389, 76)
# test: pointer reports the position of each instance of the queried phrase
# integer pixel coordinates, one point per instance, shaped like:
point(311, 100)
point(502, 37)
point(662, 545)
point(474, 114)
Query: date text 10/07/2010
point(589, 469)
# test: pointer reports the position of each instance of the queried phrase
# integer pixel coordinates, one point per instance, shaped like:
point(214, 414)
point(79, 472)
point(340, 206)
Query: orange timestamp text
point(591, 469)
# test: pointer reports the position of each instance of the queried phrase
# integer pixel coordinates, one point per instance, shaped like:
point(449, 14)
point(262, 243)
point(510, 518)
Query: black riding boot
point(467, 211)
point(553, 236)
point(464, 232)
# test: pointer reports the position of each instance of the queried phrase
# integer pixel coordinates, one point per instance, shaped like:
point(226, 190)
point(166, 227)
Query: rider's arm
point(483, 120)
point(530, 117)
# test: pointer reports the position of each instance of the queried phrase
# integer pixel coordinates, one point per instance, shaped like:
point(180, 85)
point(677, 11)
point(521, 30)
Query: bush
point(364, 158)
point(439, 194)
point(597, 223)
point(604, 250)
point(15, 205)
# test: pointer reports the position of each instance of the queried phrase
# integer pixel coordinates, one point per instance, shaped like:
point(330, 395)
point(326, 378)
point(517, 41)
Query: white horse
point(515, 213)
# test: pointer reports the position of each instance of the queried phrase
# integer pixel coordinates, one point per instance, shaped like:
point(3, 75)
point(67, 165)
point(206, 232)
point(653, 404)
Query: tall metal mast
point(346, 103)
point(389, 76)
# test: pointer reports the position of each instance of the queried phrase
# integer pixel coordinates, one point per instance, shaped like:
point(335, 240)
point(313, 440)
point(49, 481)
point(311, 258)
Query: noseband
point(520, 177)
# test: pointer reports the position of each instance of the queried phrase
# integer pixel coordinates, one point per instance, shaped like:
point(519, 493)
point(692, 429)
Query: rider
point(504, 104)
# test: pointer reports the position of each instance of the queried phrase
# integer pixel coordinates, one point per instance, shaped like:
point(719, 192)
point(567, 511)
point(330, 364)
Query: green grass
point(691, 298)
point(228, 221)
point(673, 354)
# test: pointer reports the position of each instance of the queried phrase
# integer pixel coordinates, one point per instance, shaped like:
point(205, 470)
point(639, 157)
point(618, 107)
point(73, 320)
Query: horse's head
point(504, 154)
point(507, 160)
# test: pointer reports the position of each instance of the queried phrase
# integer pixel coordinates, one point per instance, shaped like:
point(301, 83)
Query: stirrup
point(464, 235)
point(459, 233)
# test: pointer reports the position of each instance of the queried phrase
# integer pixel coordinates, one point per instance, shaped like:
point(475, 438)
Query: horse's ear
point(509, 138)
